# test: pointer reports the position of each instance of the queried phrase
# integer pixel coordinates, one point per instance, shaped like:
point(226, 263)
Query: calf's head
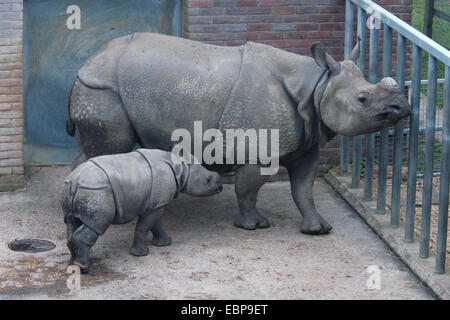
point(202, 182)
point(194, 179)
point(348, 104)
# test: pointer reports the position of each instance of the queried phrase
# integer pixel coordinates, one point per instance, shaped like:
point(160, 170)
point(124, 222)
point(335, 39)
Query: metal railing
point(405, 34)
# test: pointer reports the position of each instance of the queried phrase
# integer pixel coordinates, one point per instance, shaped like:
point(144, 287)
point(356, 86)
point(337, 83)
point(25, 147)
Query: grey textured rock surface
point(140, 88)
point(208, 258)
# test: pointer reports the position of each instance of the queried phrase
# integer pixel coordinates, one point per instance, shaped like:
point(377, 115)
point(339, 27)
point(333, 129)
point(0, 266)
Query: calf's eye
point(362, 99)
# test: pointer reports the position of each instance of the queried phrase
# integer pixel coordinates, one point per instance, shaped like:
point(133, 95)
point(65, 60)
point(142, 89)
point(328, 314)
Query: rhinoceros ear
point(354, 55)
point(323, 59)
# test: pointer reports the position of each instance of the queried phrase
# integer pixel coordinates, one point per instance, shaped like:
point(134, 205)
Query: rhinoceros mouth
point(392, 112)
point(383, 115)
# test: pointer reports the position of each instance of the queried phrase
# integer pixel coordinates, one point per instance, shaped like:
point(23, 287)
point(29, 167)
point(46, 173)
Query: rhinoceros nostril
point(394, 107)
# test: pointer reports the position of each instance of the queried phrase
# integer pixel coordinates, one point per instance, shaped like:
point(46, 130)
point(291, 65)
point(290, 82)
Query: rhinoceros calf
point(140, 88)
point(115, 189)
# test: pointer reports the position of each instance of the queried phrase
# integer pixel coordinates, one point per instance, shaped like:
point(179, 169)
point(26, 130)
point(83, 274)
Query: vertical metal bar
point(384, 134)
point(370, 138)
point(445, 180)
point(345, 144)
point(361, 30)
point(413, 143)
point(428, 161)
point(357, 141)
point(349, 18)
point(398, 138)
point(428, 18)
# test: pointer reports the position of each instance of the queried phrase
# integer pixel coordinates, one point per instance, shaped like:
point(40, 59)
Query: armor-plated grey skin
point(140, 88)
point(115, 189)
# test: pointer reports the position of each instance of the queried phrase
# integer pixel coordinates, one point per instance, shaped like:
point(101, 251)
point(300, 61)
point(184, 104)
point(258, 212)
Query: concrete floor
point(209, 258)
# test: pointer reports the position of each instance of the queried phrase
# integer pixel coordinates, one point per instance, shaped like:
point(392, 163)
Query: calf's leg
point(93, 205)
point(160, 237)
point(80, 245)
point(145, 222)
point(72, 226)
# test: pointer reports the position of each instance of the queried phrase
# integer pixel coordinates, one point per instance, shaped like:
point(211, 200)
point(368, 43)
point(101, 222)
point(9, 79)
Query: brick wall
point(11, 98)
point(293, 25)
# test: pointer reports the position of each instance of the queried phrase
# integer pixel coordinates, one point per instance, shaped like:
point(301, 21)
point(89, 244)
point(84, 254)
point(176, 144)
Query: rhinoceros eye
point(362, 98)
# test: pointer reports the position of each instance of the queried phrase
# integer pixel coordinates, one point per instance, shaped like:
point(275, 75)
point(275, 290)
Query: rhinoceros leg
point(302, 174)
point(247, 184)
point(160, 237)
point(80, 245)
point(101, 124)
point(145, 222)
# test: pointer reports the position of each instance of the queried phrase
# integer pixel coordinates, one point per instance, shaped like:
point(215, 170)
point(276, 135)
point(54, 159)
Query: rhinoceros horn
point(354, 55)
point(388, 84)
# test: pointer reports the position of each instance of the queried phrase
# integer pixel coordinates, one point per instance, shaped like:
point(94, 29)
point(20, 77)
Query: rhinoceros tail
point(70, 125)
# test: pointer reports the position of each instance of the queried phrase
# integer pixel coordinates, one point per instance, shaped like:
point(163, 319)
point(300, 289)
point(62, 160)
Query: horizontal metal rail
point(409, 32)
point(407, 130)
point(442, 15)
point(424, 82)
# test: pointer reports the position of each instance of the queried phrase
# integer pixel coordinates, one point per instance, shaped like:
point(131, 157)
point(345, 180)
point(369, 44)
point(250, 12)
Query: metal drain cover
point(31, 245)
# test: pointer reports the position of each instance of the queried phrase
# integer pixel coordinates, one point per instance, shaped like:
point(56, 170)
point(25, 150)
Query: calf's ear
point(323, 59)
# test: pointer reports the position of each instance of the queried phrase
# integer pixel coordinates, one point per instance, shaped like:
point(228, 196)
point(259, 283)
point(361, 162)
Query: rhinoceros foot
point(161, 241)
point(139, 251)
point(251, 220)
point(83, 267)
point(314, 225)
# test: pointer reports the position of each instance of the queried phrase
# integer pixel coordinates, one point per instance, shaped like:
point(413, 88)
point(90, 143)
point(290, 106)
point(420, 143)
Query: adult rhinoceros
point(140, 88)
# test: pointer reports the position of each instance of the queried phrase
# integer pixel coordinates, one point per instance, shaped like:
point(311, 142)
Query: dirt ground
point(209, 258)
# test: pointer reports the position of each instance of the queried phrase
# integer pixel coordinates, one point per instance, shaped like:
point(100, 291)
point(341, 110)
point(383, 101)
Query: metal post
point(398, 138)
point(428, 18)
point(357, 141)
point(428, 161)
point(445, 181)
point(349, 18)
point(384, 143)
point(370, 138)
point(413, 143)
